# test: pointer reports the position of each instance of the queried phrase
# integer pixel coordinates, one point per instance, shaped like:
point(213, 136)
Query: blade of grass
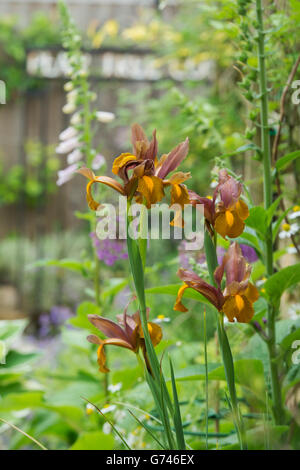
point(177, 415)
point(146, 428)
point(109, 422)
point(13, 426)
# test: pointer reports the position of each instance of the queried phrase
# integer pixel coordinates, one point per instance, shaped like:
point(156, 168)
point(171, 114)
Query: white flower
point(115, 388)
point(75, 119)
point(68, 133)
point(295, 213)
point(291, 250)
point(66, 175)
point(89, 409)
point(108, 409)
point(214, 183)
point(98, 162)
point(72, 97)
point(106, 428)
point(67, 146)
point(261, 281)
point(68, 86)
point(74, 157)
point(161, 319)
point(288, 230)
point(69, 108)
point(105, 116)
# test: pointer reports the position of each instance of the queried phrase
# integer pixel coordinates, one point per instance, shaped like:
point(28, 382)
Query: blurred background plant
point(46, 256)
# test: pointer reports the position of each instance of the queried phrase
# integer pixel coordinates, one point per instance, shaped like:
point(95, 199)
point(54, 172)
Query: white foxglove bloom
point(72, 97)
point(67, 146)
point(68, 86)
point(288, 230)
point(75, 119)
point(74, 156)
point(98, 162)
point(68, 133)
point(69, 108)
point(66, 175)
point(105, 116)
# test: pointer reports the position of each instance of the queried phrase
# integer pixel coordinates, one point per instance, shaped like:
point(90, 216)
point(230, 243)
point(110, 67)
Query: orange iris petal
point(104, 180)
point(179, 307)
point(151, 187)
point(239, 307)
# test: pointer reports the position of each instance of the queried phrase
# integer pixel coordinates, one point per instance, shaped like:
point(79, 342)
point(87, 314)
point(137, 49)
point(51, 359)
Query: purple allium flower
point(109, 251)
point(59, 315)
point(249, 253)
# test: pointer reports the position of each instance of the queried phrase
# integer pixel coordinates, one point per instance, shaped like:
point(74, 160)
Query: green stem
point(154, 378)
point(212, 263)
point(266, 152)
point(206, 378)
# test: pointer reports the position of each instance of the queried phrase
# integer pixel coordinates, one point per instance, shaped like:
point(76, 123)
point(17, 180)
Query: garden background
point(174, 66)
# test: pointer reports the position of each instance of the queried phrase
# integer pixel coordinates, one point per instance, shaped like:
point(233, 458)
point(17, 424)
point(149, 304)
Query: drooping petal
point(178, 306)
point(251, 293)
point(239, 307)
point(151, 187)
point(179, 195)
point(101, 358)
point(104, 180)
point(108, 327)
point(155, 332)
point(242, 209)
point(101, 353)
point(229, 224)
point(211, 293)
point(175, 157)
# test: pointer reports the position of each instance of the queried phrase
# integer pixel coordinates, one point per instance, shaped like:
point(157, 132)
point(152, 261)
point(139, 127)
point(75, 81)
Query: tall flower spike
point(142, 174)
point(237, 299)
point(226, 212)
point(127, 333)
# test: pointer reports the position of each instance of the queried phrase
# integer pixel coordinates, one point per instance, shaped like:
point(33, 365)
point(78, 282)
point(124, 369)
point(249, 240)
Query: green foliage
point(42, 32)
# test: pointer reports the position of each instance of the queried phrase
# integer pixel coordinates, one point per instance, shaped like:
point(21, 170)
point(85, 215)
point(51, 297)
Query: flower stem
point(212, 263)
point(266, 152)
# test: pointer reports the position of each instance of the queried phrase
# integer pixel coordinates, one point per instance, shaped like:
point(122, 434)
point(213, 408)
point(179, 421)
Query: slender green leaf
point(283, 162)
point(177, 414)
point(282, 280)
